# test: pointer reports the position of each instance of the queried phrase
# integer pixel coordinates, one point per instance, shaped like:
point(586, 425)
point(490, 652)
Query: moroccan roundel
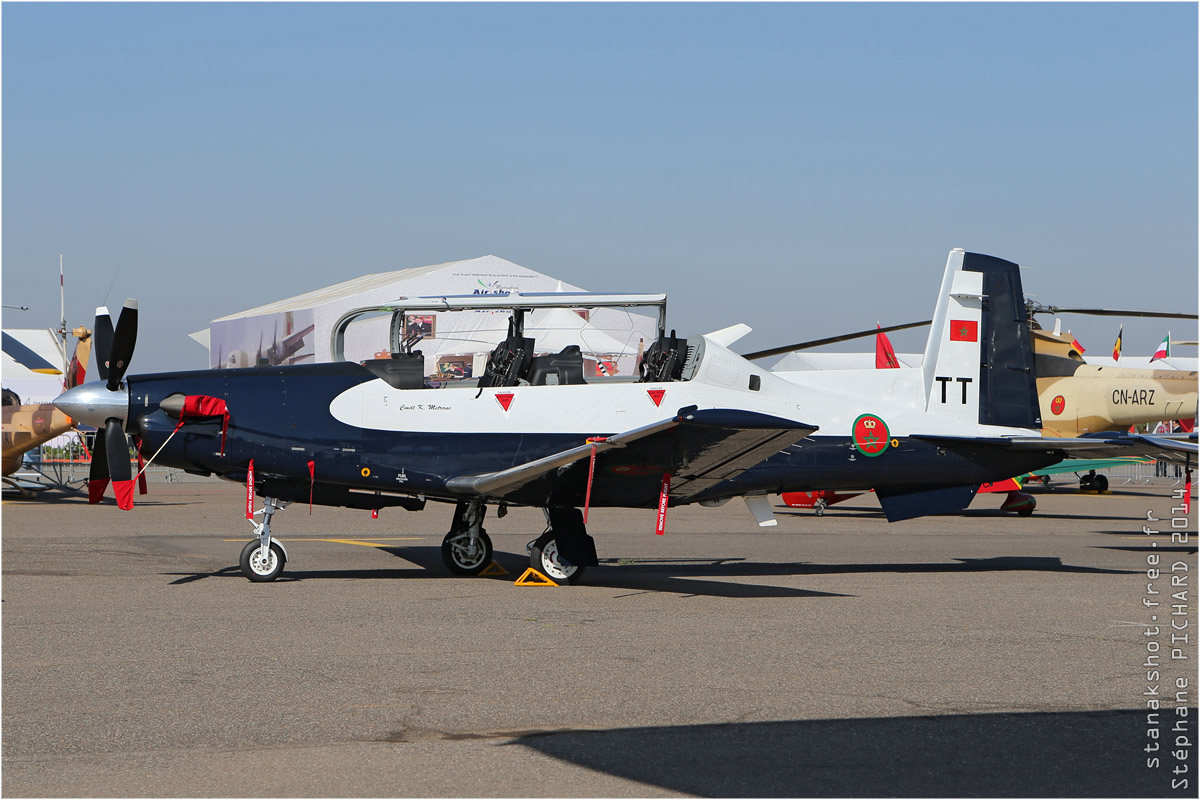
point(870, 435)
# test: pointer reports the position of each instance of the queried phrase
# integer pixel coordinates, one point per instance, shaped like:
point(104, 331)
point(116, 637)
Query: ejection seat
point(509, 361)
point(567, 365)
point(664, 360)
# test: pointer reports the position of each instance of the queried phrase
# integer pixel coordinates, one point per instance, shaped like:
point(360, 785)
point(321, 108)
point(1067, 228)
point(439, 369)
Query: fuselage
point(362, 435)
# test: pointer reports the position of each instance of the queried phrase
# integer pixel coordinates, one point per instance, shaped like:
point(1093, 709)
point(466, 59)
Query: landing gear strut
point(263, 558)
point(466, 549)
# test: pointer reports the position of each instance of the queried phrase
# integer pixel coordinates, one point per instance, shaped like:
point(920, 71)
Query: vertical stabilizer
point(979, 359)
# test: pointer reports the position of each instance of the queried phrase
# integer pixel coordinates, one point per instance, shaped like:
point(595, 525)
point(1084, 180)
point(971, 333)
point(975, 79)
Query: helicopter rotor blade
point(1038, 308)
point(778, 351)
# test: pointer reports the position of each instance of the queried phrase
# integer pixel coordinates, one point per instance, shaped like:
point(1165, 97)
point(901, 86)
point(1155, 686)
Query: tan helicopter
point(26, 426)
point(1078, 398)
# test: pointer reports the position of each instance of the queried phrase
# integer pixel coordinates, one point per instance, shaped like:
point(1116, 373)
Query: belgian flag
point(1117, 346)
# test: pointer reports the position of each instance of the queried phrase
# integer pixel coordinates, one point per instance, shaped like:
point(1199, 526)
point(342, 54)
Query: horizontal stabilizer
point(1181, 449)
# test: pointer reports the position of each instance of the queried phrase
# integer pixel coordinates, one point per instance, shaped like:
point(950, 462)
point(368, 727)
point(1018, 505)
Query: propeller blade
point(98, 471)
point(123, 342)
point(778, 351)
point(102, 339)
point(117, 445)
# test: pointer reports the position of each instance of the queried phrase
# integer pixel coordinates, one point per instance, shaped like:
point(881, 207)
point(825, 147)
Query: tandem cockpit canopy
point(510, 339)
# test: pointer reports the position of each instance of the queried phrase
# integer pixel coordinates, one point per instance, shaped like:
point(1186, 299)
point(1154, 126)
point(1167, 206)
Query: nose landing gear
point(263, 558)
point(467, 549)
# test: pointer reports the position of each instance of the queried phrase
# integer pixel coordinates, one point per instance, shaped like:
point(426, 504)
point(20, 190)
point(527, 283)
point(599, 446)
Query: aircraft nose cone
point(94, 403)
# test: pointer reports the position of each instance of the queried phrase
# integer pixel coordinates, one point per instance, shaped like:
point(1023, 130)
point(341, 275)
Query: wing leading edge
point(709, 446)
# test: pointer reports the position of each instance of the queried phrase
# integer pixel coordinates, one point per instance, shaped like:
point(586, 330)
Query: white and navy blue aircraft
point(699, 424)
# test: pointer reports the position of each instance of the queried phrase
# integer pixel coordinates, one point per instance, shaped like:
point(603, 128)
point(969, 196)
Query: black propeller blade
point(123, 343)
point(117, 445)
point(98, 471)
point(102, 338)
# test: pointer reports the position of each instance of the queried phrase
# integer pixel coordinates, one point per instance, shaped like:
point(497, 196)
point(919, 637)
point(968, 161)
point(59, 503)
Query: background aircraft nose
point(94, 403)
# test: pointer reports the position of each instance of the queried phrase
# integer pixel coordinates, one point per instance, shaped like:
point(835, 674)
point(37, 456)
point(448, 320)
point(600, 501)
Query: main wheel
point(463, 556)
point(259, 566)
point(544, 557)
point(1101, 483)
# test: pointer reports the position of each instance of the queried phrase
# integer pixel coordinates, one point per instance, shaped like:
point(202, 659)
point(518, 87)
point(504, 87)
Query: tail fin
point(979, 358)
point(79, 361)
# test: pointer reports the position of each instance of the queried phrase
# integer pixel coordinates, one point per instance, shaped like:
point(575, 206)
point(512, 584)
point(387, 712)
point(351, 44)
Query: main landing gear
point(467, 549)
point(564, 548)
point(263, 557)
point(1091, 482)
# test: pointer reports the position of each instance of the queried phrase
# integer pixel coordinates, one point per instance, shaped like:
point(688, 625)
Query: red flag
point(885, 356)
point(660, 527)
point(964, 330)
point(250, 490)
point(312, 482)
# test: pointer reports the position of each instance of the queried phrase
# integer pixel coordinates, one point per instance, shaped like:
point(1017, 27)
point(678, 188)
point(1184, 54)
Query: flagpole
point(62, 303)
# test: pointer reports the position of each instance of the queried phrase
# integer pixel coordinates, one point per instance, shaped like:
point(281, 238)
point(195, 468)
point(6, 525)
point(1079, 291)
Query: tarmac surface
point(971, 655)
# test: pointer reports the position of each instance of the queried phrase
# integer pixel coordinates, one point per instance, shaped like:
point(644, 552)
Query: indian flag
point(1164, 349)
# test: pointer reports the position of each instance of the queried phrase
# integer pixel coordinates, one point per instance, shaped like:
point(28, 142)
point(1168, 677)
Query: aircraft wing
point(1160, 447)
point(709, 447)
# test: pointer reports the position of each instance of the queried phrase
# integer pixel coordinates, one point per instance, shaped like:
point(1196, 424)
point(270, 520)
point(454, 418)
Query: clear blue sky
point(803, 168)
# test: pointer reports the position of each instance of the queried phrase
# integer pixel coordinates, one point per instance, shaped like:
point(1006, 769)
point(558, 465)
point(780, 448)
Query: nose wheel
point(261, 564)
point(467, 549)
point(466, 555)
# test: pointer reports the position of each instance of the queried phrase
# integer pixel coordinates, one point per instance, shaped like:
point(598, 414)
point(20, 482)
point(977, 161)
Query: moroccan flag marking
point(964, 330)
point(1058, 404)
